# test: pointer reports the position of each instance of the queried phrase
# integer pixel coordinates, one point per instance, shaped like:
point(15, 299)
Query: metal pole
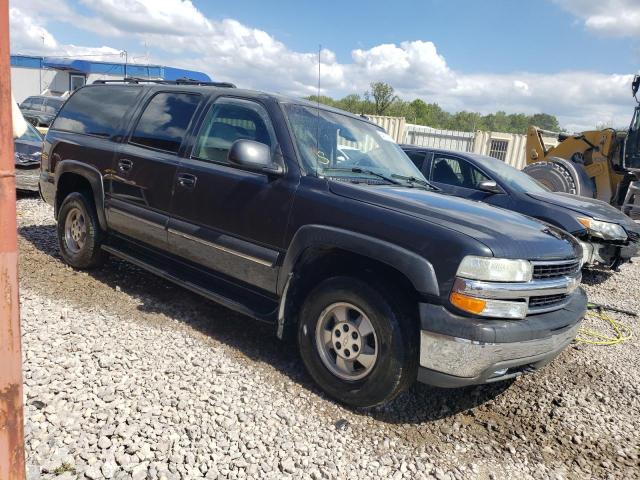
point(11, 413)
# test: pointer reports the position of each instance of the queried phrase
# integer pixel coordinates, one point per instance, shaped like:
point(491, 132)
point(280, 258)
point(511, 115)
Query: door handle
point(186, 180)
point(125, 165)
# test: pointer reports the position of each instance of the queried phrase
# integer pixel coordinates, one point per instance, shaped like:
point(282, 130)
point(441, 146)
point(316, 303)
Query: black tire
point(86, 254)
point(560, 175)
point(396, 336)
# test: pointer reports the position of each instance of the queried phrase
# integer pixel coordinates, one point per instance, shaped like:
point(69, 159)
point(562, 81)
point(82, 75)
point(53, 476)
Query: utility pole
point(11, 412)
point(125, 54)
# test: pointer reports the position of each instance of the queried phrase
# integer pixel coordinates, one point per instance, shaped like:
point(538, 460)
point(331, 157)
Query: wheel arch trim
point(418, 270)
point(93, 176)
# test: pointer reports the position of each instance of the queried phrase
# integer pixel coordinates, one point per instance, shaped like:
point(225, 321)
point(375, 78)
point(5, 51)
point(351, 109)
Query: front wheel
point(361, 348)
point(79, 235)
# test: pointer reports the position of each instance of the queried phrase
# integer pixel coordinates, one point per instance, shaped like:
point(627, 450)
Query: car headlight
point(495, 269)
point(604, 230)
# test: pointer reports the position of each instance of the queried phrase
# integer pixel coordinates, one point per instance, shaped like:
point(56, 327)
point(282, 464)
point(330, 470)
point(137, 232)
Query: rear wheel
point(79, 235)
point(358, 346)
point(560, 175)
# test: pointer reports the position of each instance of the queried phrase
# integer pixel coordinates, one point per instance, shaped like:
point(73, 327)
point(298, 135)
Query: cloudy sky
point(571, 58)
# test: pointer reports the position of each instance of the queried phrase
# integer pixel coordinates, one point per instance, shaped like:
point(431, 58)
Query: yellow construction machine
point(603, 164)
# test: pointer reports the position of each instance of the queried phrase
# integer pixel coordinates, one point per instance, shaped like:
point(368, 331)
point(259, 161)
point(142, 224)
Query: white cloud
point(166, 17)
point(607, 17)
point(179, 34)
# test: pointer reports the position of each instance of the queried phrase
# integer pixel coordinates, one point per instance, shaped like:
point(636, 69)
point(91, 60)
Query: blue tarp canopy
point(120, 69)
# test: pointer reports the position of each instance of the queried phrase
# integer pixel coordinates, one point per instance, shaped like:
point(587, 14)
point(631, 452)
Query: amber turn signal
point(466, 303)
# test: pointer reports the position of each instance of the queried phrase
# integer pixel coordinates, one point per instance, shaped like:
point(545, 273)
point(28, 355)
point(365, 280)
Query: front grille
point(546, 301)
point(549, 270)
point(633, 236)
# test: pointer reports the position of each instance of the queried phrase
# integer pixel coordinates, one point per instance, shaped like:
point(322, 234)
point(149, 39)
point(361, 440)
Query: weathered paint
point(11, 410)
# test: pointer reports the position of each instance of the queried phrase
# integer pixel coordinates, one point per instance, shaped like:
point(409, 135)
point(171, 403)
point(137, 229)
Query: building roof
point(74, 65)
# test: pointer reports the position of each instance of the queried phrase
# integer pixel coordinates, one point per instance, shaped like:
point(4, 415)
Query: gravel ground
point(128, 376)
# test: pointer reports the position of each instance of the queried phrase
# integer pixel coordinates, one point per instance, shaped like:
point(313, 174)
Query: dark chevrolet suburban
point(245, 197)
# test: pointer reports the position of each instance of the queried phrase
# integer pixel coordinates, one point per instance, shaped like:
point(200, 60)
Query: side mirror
point(490, 186)
point(254, 156)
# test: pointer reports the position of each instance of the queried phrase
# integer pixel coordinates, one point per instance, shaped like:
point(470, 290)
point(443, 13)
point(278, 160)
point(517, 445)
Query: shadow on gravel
point(422, 403)
point(595, 276)
point(251, 339)
point(23, 194)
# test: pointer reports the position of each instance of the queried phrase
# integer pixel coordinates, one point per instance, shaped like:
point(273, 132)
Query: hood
point(508, 234)
point(591, 207)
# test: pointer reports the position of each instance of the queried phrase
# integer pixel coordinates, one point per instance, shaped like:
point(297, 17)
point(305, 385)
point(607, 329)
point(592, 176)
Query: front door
point(457, 177)
point(224, 217)
point(143, 177)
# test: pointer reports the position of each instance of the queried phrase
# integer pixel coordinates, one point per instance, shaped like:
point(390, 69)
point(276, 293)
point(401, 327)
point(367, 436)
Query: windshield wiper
point(419, 181)
point(367, 172)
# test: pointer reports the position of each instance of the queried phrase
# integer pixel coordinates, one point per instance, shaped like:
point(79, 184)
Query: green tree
point(545, 121)
point(383, 96)
point(381, 100)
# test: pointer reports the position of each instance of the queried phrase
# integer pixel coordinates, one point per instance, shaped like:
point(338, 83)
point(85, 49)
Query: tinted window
point(165, 120)
point(456, 172)
point(96, 110)
point(34, 103)
point(228, 121)
point(417, 158)
point(52, 105)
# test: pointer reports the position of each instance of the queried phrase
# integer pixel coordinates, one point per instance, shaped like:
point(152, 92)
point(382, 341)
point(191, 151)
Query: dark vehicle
point(27, 150)
point(245, 198)
point(608, 237)
point(40, 110)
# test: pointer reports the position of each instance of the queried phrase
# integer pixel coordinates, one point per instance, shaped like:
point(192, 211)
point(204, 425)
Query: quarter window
point(230, 120)
point(417, 158)
point(165, 119)
point(456, 172)
point(96, 110)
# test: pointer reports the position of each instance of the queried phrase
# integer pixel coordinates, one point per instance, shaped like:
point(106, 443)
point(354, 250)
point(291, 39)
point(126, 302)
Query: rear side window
point(96, 110)
point(164, 121)
point(52, 105)
point(33, 103)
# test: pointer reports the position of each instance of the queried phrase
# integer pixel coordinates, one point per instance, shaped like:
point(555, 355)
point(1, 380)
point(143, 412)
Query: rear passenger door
point(146, 164)
point(224, 217)
point(456, 176)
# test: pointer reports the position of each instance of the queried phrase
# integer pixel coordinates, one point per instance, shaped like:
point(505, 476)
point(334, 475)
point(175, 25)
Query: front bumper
point(456, 351)
point(27, 178)
point(608, 254)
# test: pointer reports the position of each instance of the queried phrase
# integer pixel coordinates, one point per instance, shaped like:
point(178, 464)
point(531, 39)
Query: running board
point(208, 285)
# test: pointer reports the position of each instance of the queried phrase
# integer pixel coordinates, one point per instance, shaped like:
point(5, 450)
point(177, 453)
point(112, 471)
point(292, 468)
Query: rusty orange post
point(11, 413)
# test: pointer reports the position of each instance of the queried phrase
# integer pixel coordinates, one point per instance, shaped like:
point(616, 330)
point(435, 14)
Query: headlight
point(495, 269)
point(587, 253)
point(604, 230)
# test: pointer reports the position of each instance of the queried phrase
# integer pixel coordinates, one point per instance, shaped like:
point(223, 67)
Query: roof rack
point(179, 81)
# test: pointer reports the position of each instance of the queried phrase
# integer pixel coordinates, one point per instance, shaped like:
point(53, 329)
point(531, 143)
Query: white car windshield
point(336, 145)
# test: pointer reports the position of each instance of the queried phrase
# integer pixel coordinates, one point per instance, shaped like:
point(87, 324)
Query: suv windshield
point(516, 179)
point(336, 145)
